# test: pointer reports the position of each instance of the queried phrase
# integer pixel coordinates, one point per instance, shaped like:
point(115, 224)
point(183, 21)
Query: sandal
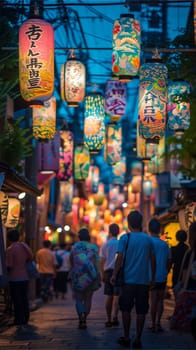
point(152, 329)
point(115, 322)
point(159, 328)
point(82, 321)
point(82, 325)
point(125, 342)
point(137, 345)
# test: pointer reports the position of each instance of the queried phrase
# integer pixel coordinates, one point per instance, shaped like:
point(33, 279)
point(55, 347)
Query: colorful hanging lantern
point(152, 100)
point(81, 162)
point(126, 47)
point(157, 161)
point(178, 106)
point(48, 155)
point(44, 120)
point(118, 172)
point(73, 81)
point(13, 213)
point(93, 179)
point(65, 155)
point(115, 98)
point(147, 188)
point(94, 122)
point(36, 60)
point(3, 206)
point(151, 147)
point(113, 145)
point(64, 201)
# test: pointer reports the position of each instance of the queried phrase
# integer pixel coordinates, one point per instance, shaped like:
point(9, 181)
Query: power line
point(149, 49)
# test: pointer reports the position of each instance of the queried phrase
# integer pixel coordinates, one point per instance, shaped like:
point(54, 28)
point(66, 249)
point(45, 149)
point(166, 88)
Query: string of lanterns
point(160, 102)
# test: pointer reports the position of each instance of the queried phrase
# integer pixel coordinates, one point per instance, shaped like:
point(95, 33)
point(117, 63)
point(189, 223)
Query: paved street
point(54, 326)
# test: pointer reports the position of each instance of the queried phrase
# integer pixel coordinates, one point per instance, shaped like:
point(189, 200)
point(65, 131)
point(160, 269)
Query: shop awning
point(15, 183)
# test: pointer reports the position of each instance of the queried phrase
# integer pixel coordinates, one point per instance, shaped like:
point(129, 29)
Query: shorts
point(110, 289)
point(134, 295)
point(159, 286)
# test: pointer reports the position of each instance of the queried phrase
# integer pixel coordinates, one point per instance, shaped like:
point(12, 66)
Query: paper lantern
point(64, 201)
point(81, 162)
point(44, 120)
point(65, 155)
point(73, 81)
point(115, 98)
point(126, 47)
point(152, 100)
point(3, 206)
point(151, 147)
point(92, 181)
point(113, 145)
point(147, 188)
point(13, 213)
point(48, 155)
point(178, 106)
point(36, 60)
point(118, 172)
point(94, 122)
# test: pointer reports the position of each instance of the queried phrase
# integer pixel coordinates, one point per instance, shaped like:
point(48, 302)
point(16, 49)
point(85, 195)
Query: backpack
point(84, 272)
point(59, 259)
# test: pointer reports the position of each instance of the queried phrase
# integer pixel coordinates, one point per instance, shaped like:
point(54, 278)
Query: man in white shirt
point(107, 260)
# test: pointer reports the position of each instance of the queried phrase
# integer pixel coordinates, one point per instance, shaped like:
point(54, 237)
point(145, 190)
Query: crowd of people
point(144, 257)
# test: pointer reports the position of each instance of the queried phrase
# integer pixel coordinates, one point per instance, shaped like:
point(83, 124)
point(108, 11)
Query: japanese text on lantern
point(36, 64)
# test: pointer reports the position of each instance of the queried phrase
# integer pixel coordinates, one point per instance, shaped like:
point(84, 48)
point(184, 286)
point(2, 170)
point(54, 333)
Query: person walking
point(135, 290)
point(163, 263)
point(46, 263)
point(177, 254)
point(107, 259)
point(85, 274)
point(62, 271)
point(17, 254)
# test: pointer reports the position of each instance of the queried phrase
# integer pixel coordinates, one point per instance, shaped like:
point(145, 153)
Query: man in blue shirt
point(135, 290)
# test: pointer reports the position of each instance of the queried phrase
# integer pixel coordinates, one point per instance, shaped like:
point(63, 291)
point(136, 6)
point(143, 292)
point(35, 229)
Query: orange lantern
point(36, 60)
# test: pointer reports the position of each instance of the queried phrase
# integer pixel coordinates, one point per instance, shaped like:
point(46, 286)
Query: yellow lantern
point(13, 213)
point(44, 120)
point(36, 60)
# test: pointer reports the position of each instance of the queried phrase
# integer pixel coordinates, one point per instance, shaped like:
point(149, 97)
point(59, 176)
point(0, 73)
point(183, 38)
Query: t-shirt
point(139, 251)
point(177, 254)
point(162, 255)
point(108, 252)
point(66, 264)
point(16, 257)
point(46, 261)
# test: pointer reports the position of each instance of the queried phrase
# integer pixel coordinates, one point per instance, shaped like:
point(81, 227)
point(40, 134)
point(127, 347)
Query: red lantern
point(36, 60)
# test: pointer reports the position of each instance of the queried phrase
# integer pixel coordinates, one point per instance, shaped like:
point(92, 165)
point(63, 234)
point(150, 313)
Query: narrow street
point(55, 326)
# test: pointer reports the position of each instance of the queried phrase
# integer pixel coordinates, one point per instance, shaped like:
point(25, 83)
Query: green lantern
point(94, 122)
point(81, 162)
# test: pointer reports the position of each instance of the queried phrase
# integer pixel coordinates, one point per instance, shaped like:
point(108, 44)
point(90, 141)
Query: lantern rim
point(154, 60)
point(154, 140)
point(128, 15)
point(126, 78)
point(72, 104)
